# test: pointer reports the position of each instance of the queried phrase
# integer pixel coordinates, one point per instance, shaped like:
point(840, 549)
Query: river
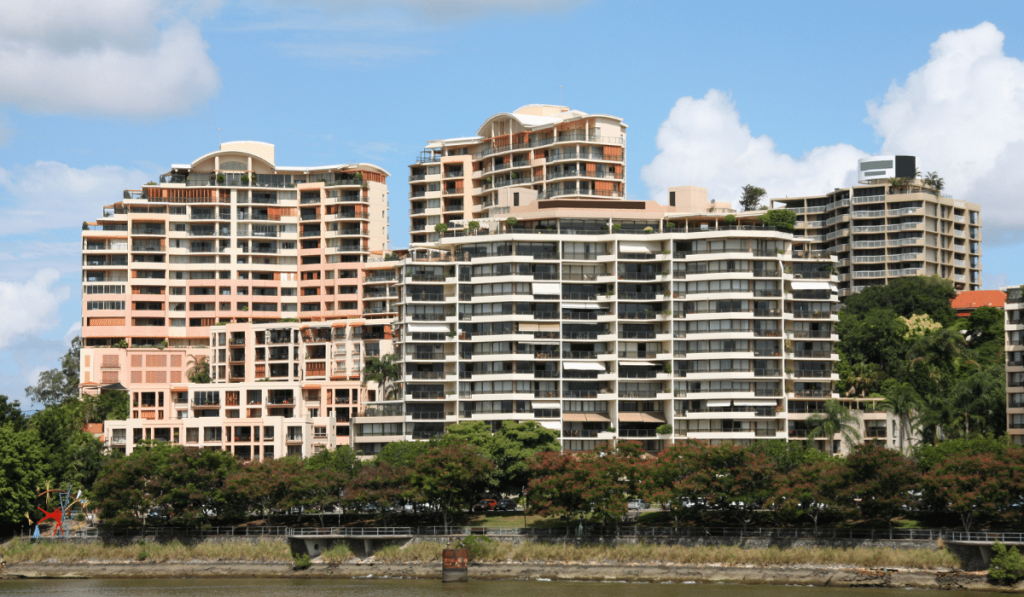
point(417, 588)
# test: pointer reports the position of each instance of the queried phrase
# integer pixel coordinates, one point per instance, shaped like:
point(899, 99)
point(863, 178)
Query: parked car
point(485, 505)
point(506, 505)
point(637, 505)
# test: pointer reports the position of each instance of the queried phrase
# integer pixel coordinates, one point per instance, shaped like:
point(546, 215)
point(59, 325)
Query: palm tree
point(862, 378)
point(935, 181)
point(903, 401)
point(385, 371)
point(198, 369)
point(834, 419)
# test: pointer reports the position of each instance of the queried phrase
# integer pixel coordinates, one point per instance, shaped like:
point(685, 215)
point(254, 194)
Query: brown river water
point(417, 588)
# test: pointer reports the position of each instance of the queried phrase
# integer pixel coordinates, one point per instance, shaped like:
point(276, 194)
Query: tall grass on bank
point(338, 553)
point(655, 554)
point(260, 550)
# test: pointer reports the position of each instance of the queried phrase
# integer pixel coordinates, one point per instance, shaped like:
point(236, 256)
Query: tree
point(835, 419)
point(473, 226)
point(985, 327)
point(812, 490)
point(452, 476)
point(70, 454)
point(111, 405)
point(510, 449)
point(739, 481)
point(673, 484)
point(568, 484)
point(380, 486)
point(21, 461)
point(973, 485)
point(928, 457)
point(936, 182)
point(903, 401)
point(262, 485)
point(779, 218)
point(979, 402)
point(880, 481)
point(330, 472)
point(198, 369)
point(441, 228)
point(386, 372)
point(10, 413)
point(906, 297)
point(750, 198)
point(404, 453)
point(875, 340)
point(59, 385)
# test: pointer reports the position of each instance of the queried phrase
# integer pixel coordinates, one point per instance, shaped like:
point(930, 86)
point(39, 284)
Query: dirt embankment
point(809, 575)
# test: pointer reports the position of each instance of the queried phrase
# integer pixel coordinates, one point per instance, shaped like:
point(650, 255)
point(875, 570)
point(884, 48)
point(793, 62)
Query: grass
point(262, 550)
point(336, 554)
point(655, 554)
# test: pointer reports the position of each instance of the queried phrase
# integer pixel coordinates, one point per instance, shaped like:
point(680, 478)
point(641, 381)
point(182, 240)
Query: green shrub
point(779, 218)
point(302, 561)
point(666, 428)
point(143, 552)
point(1007, 565)
point(730, 219)
point(477, 546)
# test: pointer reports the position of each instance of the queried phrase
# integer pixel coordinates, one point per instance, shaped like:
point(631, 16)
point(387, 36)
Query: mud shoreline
point(821, 576)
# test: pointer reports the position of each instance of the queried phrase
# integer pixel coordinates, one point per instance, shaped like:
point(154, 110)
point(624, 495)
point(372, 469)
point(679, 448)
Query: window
point(320, 432)
point(211, 434)
point(515, 199)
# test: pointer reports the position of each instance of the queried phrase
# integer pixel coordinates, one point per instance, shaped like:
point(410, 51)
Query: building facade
point(538, 152)
point(1015, 364)
point(888, 228)
point(222, 248)
point(616, 321)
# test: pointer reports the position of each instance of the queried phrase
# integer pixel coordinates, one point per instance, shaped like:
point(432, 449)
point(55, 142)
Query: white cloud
point(73, 332)
point(962, 115)
point(137, 59)
point(48, 195)
point(30, 307)
point(704, 143)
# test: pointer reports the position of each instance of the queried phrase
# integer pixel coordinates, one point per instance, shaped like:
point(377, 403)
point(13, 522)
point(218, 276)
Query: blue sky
point(99, 96)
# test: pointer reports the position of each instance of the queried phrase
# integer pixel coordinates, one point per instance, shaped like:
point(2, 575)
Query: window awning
point(355, 324)
point(438, 328)
point(177, 389)
point(638, 248)
point(811, 285)
point(546, 405)
point(547, 288)
point(755, 402)
point(719, 403)
point(339, 324)
point(637, 364)
point(581, 306)
point(311, 386)
point(583, 366)
point(555, 425)
point(585, 418)
point(642, 417)
point(538, 327)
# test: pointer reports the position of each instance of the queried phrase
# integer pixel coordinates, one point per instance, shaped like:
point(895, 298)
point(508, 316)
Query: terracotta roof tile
point(969, 300)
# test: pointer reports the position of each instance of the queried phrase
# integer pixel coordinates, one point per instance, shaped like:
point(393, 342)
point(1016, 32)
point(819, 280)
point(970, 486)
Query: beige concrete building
point(880, 231)
point(1015, 364)
point(610, 320)
point(550, 154)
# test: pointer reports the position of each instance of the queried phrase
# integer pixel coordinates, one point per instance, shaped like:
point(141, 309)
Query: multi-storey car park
point(880, 231)
point(1015, 364)
point(268, 252)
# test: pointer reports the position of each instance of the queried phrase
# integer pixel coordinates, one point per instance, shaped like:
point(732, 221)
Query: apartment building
point(278, 389)
point(232, 241)
point(550, 154)
point(892, 225)
point(608, 322)
point(1015, 364)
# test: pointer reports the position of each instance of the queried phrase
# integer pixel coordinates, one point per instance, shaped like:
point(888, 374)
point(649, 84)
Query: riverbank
point(819, 576)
